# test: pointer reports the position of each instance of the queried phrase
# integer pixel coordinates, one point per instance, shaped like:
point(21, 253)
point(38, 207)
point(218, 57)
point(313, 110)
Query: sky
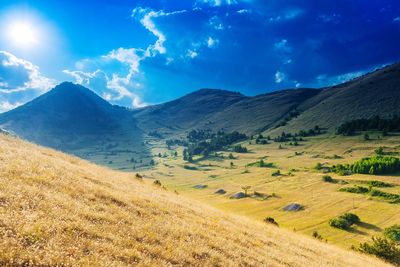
point(136, 53)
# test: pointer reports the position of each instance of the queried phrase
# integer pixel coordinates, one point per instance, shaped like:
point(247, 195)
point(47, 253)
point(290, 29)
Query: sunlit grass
point(57, 210)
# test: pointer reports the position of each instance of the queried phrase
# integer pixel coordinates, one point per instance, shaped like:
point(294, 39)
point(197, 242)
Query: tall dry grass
point(57, 210)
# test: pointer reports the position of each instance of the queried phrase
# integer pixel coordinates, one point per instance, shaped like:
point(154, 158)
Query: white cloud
point(218, 2)
point(111, 83)
point(192, 53)
point(289, 14)
point(18, 75)
point(211, 42)
point(324, 80)
point(146, 16)
point(82, 77)
point(20, 81)
point(6, 105)
point(216, 23)
point(283, 46)
point(243, 11)
point(279, 77)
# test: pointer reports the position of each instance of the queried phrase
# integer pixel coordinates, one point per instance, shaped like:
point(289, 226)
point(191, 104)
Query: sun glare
point(23, 34)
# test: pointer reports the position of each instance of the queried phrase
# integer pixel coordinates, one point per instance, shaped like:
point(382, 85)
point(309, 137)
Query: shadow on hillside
point(369, 226)
point(356, 231)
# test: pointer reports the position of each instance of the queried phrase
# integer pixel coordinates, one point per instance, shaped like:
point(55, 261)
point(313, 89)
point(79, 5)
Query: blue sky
point(135, 53)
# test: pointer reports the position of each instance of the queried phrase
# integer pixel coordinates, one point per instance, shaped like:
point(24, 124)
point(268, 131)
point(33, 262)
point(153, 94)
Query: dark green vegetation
point(376, 123)
point(392, 232)
point(392, 198)
point(205, 142)
point(329, 179)
point(371, 165)
point(376, 183)
point(382, 248)
point(261, 164)
point(344, 221)
point(286, 137)
point(386, 247)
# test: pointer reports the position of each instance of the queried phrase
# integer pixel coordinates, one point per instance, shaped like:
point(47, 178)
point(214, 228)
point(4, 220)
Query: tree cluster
point(371, 165)
point(391, 124)
point(213, 142)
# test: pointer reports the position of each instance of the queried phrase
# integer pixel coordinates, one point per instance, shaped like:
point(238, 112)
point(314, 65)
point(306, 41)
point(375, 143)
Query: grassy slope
point(376, 93)
point(59, 210)
point(322, 200)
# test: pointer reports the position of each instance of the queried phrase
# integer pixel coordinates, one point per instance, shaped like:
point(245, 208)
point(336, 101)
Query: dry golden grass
point(57, 210)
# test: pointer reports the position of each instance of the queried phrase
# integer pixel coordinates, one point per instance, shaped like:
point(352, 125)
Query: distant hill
point(191, 111)
point(376, 93)
point(71, 117)
point(57, 210)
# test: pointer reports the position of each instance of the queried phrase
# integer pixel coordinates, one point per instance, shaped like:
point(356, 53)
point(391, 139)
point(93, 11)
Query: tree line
point(377, 123)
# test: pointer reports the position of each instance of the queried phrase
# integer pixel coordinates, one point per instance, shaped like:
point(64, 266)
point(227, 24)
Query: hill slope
point(59, 210)
point(376, 93)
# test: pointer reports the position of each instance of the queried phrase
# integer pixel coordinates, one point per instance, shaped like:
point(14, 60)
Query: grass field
point(299, 182)
point(58, 210)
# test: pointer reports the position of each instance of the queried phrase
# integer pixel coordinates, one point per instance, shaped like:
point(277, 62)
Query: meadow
point(59, 210)
point(292, 174)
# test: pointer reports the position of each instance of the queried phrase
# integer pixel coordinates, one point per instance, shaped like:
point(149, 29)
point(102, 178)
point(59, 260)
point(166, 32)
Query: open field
point(299, 182)
point(57, 210)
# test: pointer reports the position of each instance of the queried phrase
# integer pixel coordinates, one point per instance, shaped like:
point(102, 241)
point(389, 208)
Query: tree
point(185, 154)
point(383, 248)
point(366, 137)
point(379, 151)
point(246, 188)
point(232, 164)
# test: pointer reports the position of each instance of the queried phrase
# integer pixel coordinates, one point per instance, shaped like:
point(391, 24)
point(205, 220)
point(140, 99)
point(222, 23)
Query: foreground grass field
point(296, 182)
point(57, 210)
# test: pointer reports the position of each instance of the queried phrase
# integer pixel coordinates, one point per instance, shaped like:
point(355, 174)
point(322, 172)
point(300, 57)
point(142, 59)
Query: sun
point(23, 34)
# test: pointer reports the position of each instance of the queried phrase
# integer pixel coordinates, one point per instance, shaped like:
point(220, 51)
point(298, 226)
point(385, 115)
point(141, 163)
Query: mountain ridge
point(71, 117)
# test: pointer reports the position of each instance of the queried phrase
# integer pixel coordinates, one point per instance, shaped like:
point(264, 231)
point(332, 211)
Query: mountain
point(190, 111)
point(76, 120)
point(65, 113)
point(57, 210)
point(68, 117)
point(376, 93)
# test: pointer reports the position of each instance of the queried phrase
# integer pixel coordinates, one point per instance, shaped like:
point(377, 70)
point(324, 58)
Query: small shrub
point(376, 183)
point(240, 149)
point(351, 218)
point(328, 179)
point(382, 248)
point(355, 189)
point(344, 221)
point(188, 167)
point(276, 173)
point(339, 223)
point(316, 235)
point(392, 232)
point(379, 151)
point(318, 166)
point(157, 183)
point(138, 176)
point(271, 221)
